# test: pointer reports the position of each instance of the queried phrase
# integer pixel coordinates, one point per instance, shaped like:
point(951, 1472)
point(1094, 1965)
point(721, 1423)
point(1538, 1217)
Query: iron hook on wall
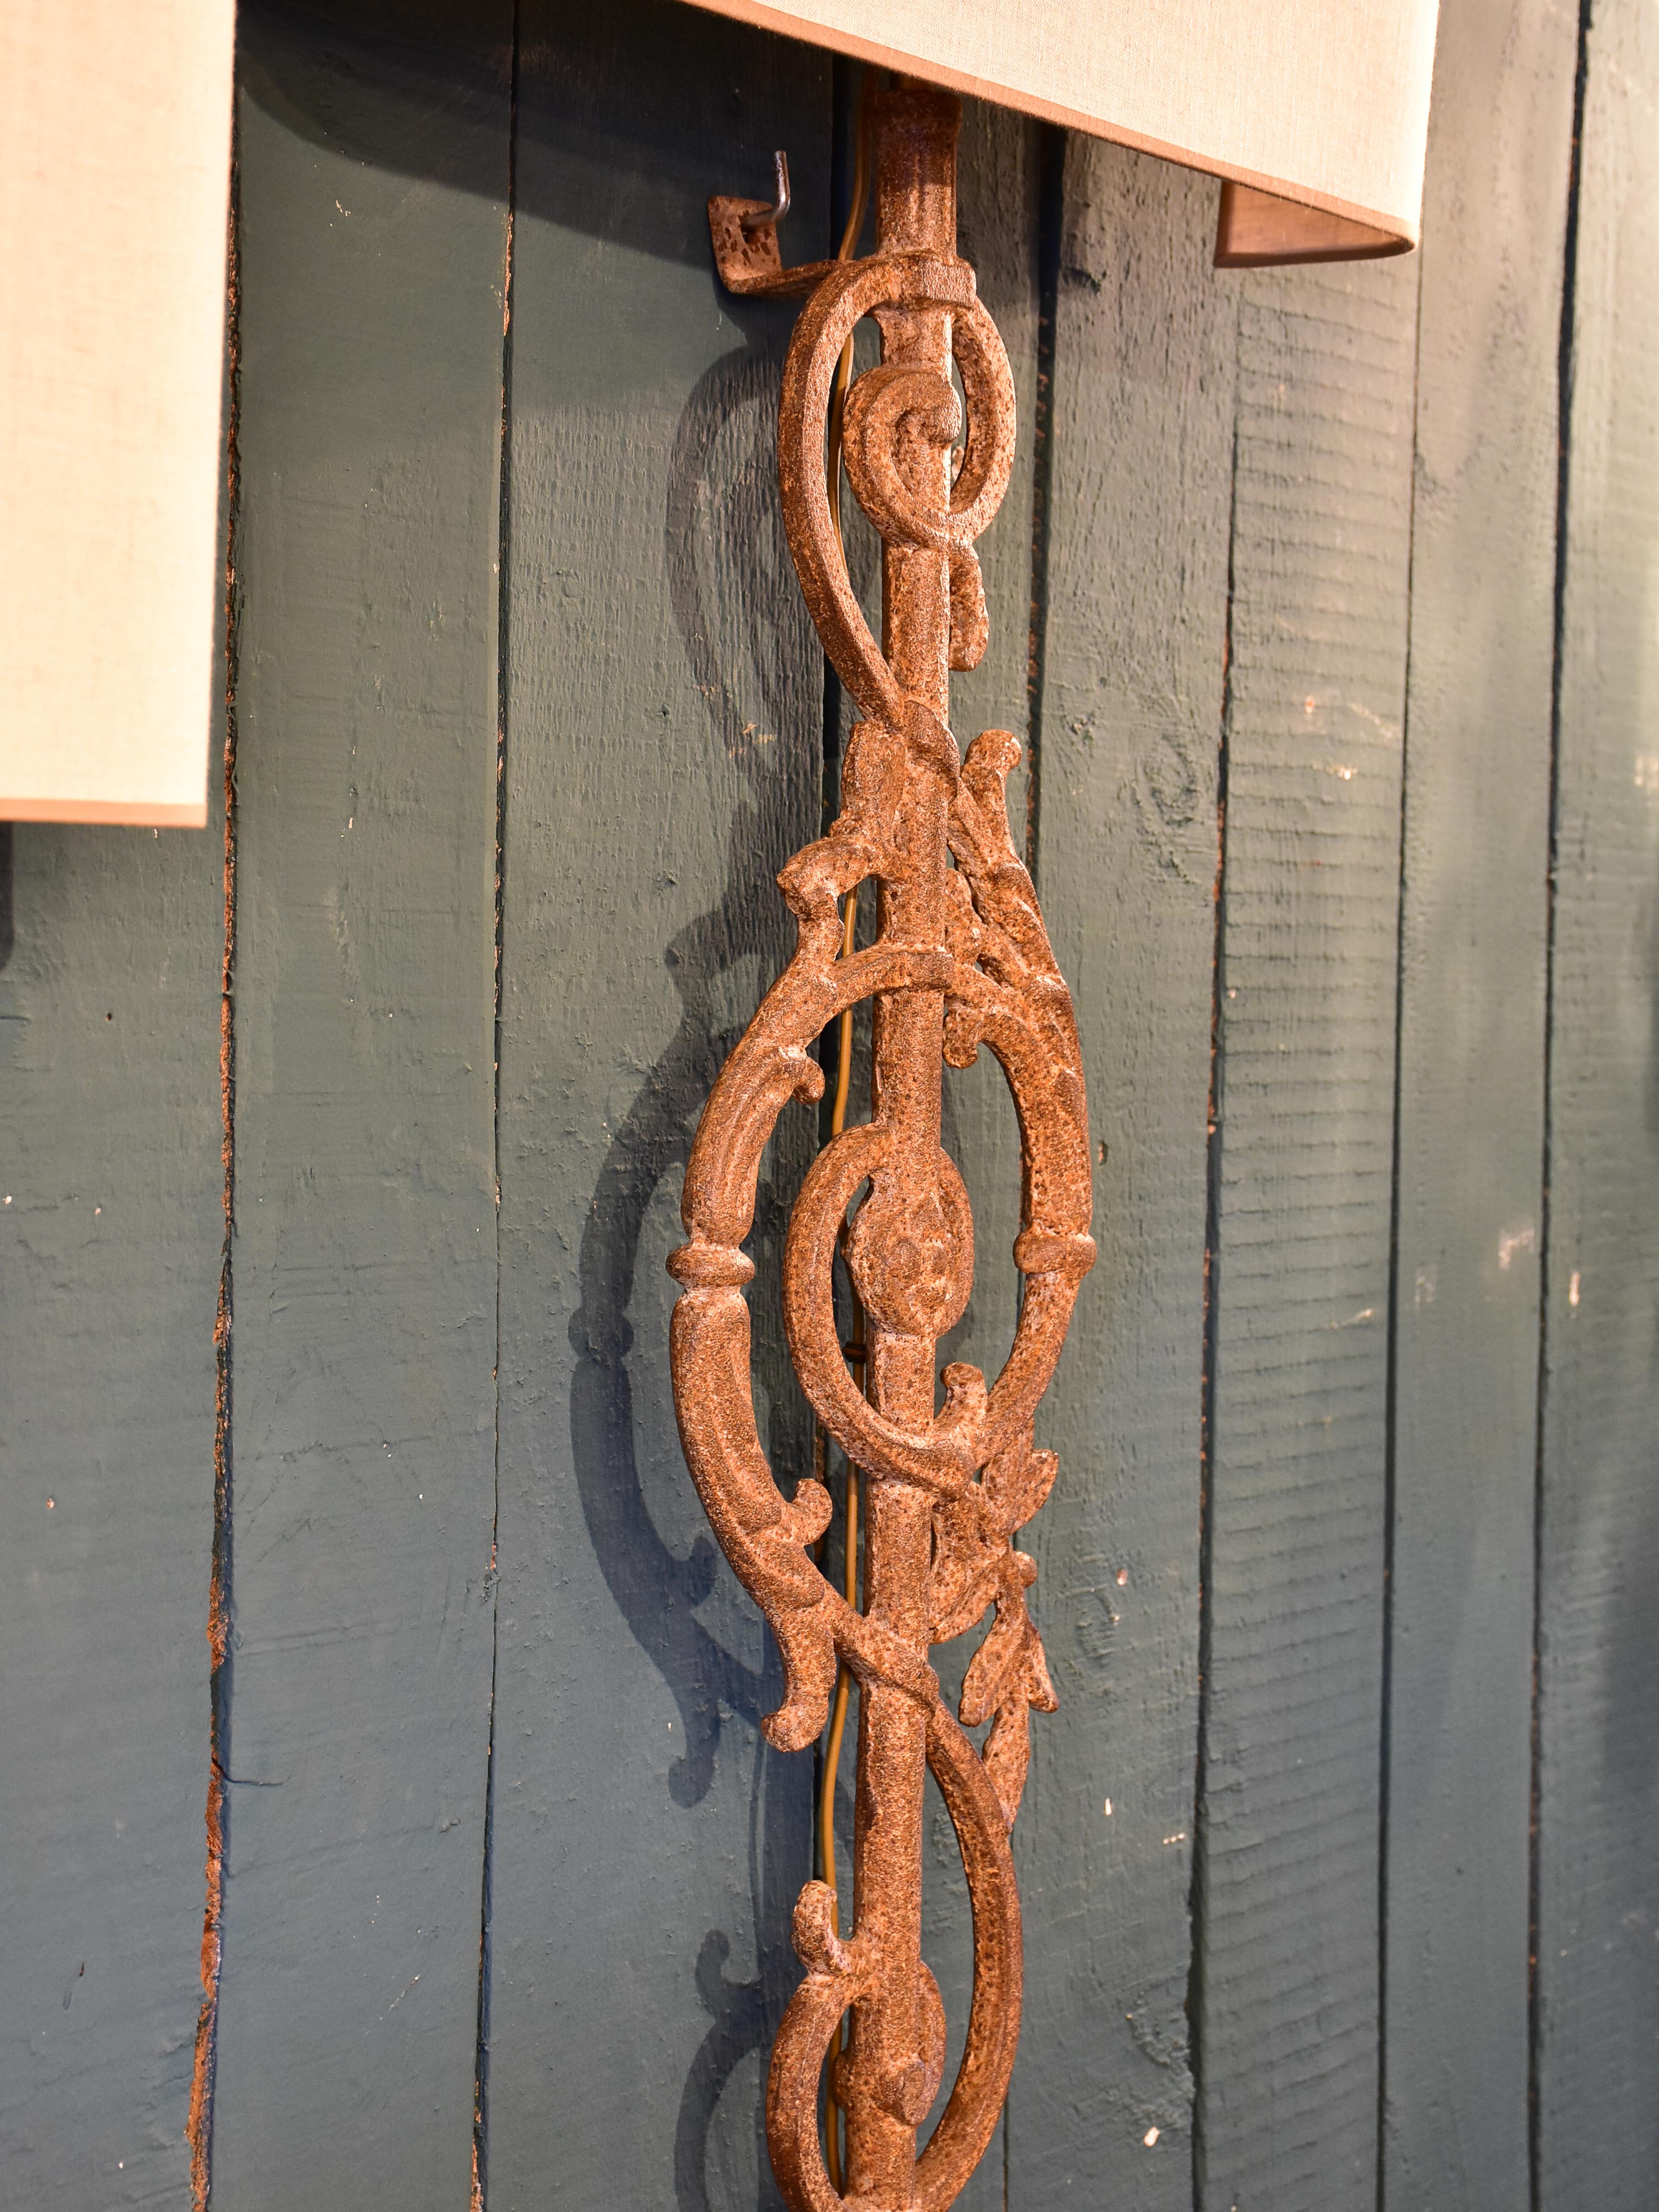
point(961, 959)
point(781, 203)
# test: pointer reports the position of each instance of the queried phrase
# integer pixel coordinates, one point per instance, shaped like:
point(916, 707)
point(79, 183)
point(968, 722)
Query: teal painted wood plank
point(374, 148)
point(663, 758)
point(110, 1235)
point(1133, 646)
point(1598, 1900)
point(1471, 1111)
point(1288, 1939)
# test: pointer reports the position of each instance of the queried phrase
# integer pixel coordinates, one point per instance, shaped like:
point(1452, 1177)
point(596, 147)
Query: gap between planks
point(481, 2065)
point(199, 2127)
point(1563, 486)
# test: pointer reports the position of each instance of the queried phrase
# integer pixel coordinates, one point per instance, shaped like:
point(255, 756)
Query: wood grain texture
point(1471, 1111)
point(374, 144)
point(663, 758)
point(1288, 1985)
point(1598, 1814)
point(1132, 645)
point(110, 1235)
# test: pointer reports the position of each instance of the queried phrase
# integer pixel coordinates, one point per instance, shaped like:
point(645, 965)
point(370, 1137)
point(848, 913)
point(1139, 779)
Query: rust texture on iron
point(961, 960)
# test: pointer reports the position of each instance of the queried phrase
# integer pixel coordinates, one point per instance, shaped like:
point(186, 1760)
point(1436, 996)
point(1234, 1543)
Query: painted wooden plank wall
point(1597, 1934)
point(112, 1225)
point(1470, 1134)
point(526, 713)
point(664, 746)
point(1133, 658)
point(373, 150)
point(1289, 1813)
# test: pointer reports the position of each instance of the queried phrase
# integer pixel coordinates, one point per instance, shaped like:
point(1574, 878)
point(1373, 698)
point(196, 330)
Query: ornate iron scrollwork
point(960, 961)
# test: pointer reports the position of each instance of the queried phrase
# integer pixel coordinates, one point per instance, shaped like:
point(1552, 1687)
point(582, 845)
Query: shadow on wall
point(438, 74)
point(724, 550)
point(439, 71)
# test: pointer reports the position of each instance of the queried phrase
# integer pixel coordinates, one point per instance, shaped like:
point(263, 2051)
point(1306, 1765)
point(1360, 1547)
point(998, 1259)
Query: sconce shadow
point(421, 87)
point(727, 567)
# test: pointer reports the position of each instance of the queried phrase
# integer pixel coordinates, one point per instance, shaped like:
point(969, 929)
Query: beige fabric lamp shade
point(114, 185)
point(1315, 112)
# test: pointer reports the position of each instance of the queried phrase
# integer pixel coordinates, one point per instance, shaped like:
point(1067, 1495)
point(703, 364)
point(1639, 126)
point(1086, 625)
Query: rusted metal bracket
point(961, 959)
point(746, 252)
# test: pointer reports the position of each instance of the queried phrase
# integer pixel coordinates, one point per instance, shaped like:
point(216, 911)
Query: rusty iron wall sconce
point(961, 959)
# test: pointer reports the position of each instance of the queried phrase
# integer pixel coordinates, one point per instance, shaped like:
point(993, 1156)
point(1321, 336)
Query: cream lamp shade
point(114, 186)
point(1314, 111)
point(114, 168)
